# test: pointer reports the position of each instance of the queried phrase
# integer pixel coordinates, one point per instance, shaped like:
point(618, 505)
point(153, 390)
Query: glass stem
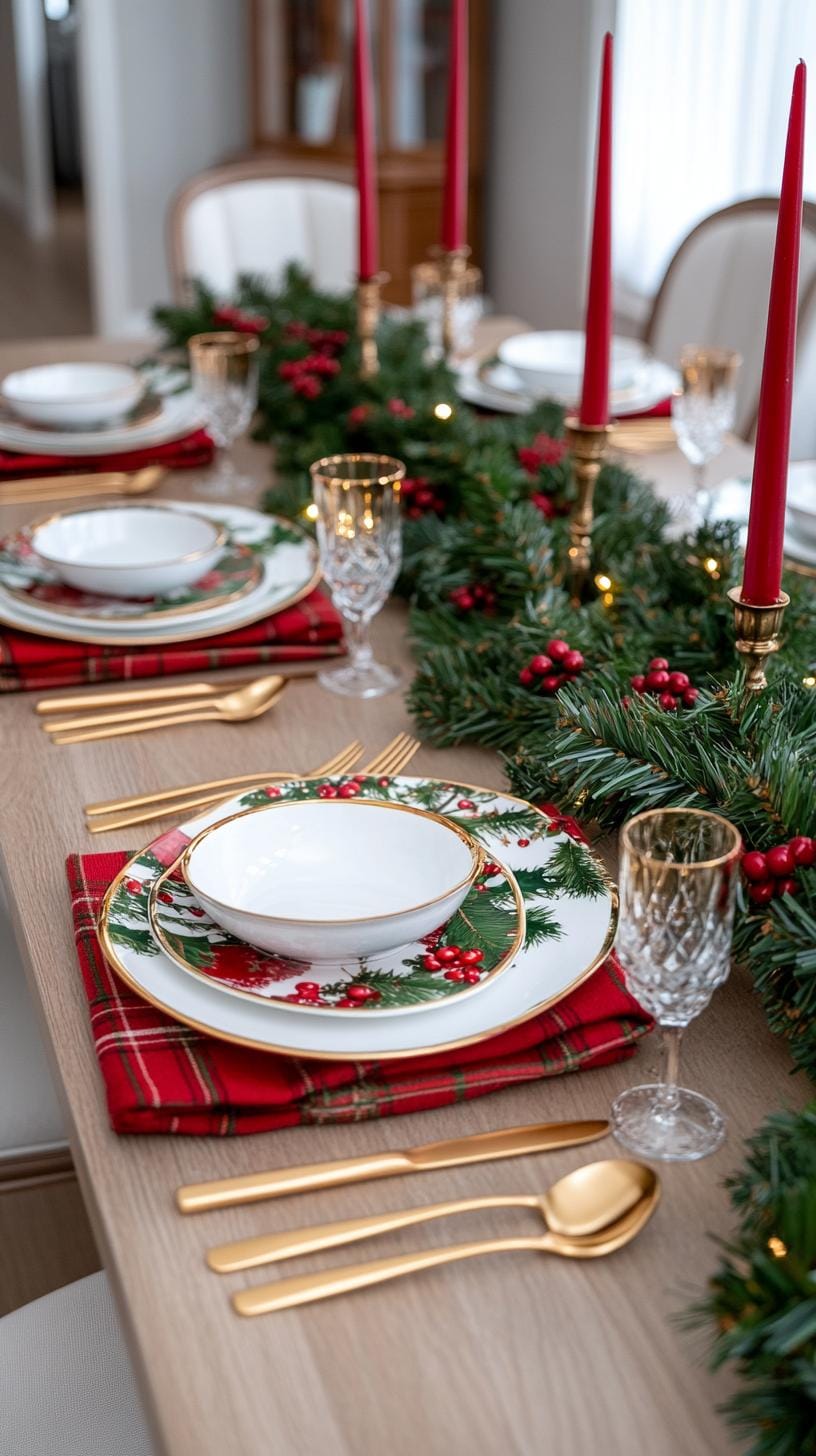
point(672, 1037)
point(356, 635)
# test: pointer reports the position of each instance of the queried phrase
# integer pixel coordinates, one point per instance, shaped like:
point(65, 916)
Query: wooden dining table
point(518, 1354)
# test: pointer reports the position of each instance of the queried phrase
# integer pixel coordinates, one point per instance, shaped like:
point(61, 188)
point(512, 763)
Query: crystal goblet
point(704, 408)
point(678, 883)
point(359, 533)
point(224, 375)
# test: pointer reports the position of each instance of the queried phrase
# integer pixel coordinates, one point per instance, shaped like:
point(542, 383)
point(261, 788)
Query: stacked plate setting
point(94, 409)
point(242, 566)
point(263, 922)
point(532, 367)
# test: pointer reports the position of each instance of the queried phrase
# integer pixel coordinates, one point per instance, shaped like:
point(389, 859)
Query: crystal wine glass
point(426, 295)
point(704, 407)
point(224, 373)
point(678, 882)
point(359, 532)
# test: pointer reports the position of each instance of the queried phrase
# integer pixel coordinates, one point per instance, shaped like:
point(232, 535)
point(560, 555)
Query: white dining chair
point(258, 215)
point(715, 292)
point(66, 1382)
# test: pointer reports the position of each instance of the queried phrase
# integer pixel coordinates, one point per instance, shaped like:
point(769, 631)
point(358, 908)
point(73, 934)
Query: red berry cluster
point(400, 410)
point(321, 339)
point(419, 496)
point(307, 993)
point(772, 872)
point(545, 450)
point(454, 963)
point(476, 596)
point(549, 670)
point(348, 790)
point(239, 321)
point(548, 506)
point(670, 688)
point(303, 374)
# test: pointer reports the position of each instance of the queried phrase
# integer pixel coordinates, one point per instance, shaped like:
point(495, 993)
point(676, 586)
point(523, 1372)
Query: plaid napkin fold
point(309, 629)
point(193, 449)
point(163, 1077)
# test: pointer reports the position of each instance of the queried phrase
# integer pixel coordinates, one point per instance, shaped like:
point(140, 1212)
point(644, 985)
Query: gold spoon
point(580, 1204)
point(238, 707)
point(78, 487)
point(621, 1228)
point(228, 705)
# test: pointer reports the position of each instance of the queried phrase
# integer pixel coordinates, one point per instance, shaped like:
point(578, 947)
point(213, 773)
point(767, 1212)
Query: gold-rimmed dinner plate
point(478, 943)
point(178, 415)
point(571, 917)
point(286, 556)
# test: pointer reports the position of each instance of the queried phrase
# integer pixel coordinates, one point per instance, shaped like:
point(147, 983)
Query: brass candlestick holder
point(758, 630)
point(368, 317)
point(453, 267)
point(587, 444)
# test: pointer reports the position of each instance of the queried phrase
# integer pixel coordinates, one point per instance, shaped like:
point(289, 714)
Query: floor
point(44, 287)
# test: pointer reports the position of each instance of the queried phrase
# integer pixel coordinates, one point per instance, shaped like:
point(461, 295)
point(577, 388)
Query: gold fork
point(390, 759)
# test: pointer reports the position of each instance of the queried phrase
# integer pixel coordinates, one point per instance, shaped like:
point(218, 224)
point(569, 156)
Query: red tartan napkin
point(309, 629)
point(161, 1076)
point(662, 410)
point(194, 449)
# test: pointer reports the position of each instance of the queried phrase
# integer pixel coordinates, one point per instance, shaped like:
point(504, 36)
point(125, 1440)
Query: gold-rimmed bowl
point(129, 551)
point(323, 879)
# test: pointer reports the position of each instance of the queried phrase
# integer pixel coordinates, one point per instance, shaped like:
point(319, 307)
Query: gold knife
point(507, 1142)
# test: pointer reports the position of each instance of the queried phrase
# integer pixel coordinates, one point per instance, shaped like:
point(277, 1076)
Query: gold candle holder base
point(453, 267)
point(368, 317)
point(757, 630)
point(587, 445)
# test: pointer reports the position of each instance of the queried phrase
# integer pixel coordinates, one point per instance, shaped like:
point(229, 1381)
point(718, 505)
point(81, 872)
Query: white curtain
point(702, 89)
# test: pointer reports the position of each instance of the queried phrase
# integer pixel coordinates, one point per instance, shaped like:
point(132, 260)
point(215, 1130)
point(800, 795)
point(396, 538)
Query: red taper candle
point(454, 205)
point(366, 153)
point(595, 394)
point(762, 574)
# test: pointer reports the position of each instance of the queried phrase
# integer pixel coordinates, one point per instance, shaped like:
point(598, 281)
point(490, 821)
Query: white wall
point(165, 93)
point(12, 192)
point(546, 57)
point(26, 186)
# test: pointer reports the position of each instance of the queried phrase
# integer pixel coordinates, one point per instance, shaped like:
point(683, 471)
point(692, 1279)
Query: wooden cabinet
point(303, 107)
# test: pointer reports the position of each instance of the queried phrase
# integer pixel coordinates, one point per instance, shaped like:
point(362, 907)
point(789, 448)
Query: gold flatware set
point(81, 486)
point(588, 1214)
point(240, 705)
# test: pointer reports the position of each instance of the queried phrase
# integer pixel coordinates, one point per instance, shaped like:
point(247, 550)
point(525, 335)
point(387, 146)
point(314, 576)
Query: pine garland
point(487, 504)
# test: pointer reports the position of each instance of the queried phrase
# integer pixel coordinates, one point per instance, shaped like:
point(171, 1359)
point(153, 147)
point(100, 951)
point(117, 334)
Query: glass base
point(692, 1128)
point(364, 680)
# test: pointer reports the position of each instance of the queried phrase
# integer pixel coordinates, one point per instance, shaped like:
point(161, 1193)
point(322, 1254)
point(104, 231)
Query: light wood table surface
point(517, 1355)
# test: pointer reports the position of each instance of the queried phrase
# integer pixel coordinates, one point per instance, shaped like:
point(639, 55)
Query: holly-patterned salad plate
point(269, 564)
point(570, 921)
point(456, 960)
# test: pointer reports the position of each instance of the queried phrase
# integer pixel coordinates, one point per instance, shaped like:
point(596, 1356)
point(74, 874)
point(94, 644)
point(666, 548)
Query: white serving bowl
point(72, 395)
point(551, 364)
point(326, 880)
point(128, 551)
point(802, 499)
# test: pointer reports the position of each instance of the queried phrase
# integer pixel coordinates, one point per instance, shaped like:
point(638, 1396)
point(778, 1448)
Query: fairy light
point(311, 512)
point(712, 566)
point(777, 1248)
point(809, 681)
point(603, 582)
point(608, 598)
point(443, 410)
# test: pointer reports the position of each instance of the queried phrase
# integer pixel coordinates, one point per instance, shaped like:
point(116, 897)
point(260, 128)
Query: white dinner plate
point(290, 571)
point(731, 501)
point(497, 387)
point(563, 886)
point(177, 415)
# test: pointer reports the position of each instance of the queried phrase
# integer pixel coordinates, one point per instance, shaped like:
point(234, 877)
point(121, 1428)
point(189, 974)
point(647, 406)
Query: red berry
point(133, 887)
point(480, 889)
point(668, 702)
point(657, 681)
point(551, 683)
point(780, 861)
point(307, 988)
point(470, 957)
point(327, 791)
point(271, 792)
point(572, 661)
point(466, 804)
point(678, 682)
point(446, 954)
point(626, 701)
point(345, 1003)
point(455, 975)
point(359, 993)
point(490, 869)
point(165, 898)
point(348, 791)
point(755, 866)
point(431, 963)
point(522, 843)
point(762, 893)
point(690, 697)
point(788, 886)
point(473, 977)
point(638, 682)
point(540, 665)
point(803, 849)
point(525, 677)
point(659, 664)
point(557, 649)
point(197, 911)
point(466, 600)
point(383, 782)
